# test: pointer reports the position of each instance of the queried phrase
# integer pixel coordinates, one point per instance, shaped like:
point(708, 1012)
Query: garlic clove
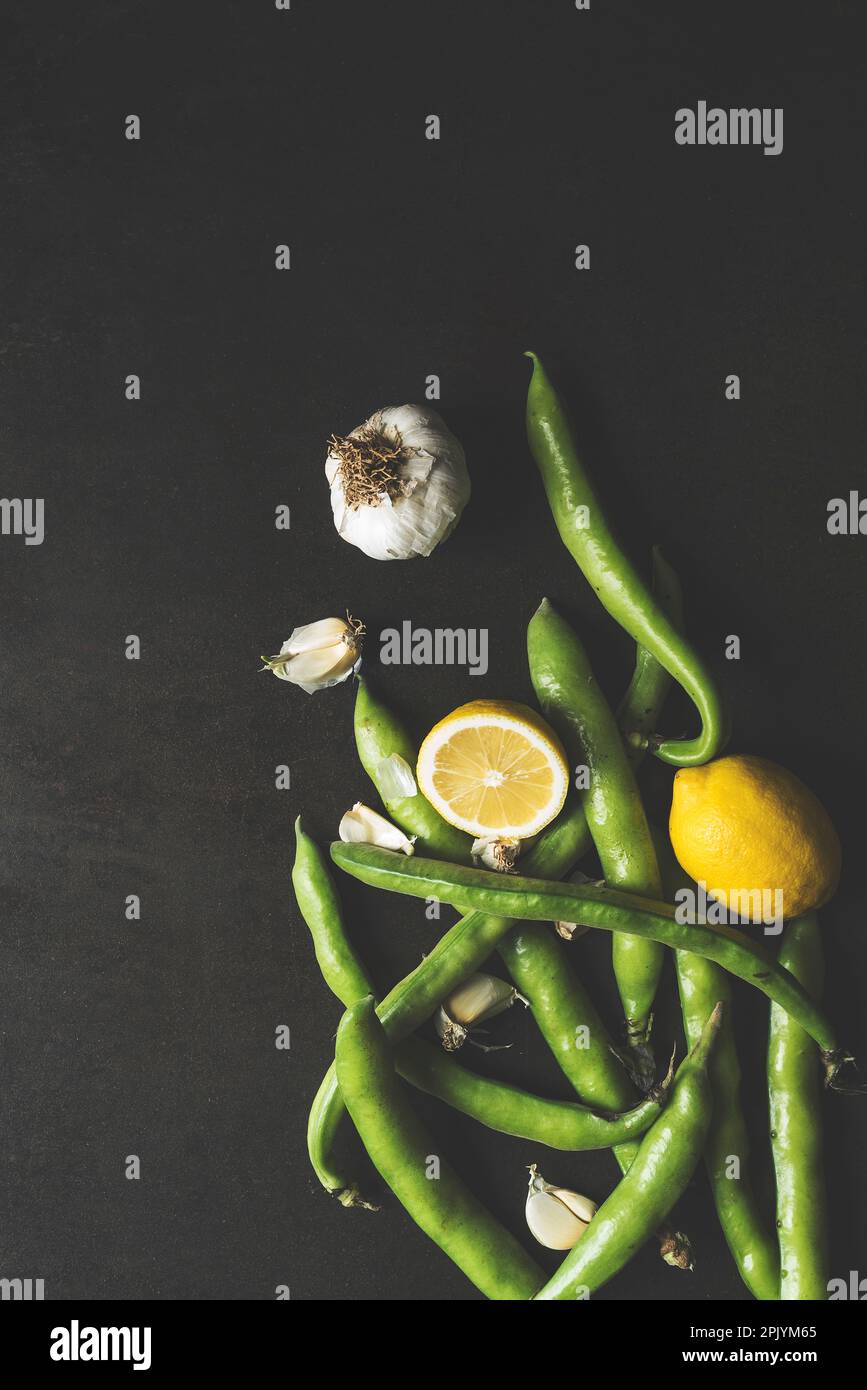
point(362, 825)
point(317, 670)
point(320, 654)
point(556, 1216)
point(480, 997)
point(498, 854)
point(395, 778)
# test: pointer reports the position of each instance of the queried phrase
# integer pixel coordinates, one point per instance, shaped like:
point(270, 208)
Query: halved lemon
point(494, 768)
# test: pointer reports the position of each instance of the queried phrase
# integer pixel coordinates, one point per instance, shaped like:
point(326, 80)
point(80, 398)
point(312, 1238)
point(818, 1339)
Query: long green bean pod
point(534, 900)
point(664, 1164)
point(584, 531)
point(404, 1153)
point(571, 699)
point(701, 983)
point(796, 1126)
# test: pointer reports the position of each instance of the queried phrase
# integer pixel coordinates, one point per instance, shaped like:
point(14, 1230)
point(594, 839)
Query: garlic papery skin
point(395, 779)
point(479, 998)
point(320, 654)
point(557, 1217)
point(364, 826)
point(500, 855)
point(399, 483)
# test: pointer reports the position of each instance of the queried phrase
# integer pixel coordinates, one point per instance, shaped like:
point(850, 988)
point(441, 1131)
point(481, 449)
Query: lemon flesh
point(494, 768)
point(744, 826)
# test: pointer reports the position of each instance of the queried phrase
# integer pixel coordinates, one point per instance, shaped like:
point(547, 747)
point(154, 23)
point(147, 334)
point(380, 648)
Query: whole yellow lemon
point(746, 828)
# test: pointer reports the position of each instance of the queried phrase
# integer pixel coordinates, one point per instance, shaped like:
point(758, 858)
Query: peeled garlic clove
point(395, 778)
point(556, 1216)
point(364, 826)
point(319, 655)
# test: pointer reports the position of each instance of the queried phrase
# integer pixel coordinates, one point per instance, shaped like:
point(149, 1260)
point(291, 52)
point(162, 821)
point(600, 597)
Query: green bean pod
point(700, 984)
point(533, 899)
point(403, 1151)
point(320, 907)
point(584, 531)
point(751, 1243)
point(379, 734)
point(796, 1126)
point(665, 1162)
point(558, 1123)
point(571, 699)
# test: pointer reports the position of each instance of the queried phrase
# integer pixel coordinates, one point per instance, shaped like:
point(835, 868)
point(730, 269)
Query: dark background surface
point(409, 257)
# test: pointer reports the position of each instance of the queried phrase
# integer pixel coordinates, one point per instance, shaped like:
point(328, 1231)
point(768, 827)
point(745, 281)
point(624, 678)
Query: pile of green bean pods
point(658, 1126)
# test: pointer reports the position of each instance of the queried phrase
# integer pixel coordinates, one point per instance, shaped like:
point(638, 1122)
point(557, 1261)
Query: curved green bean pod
point(752, 1245)
point(402, 1150)
point(317, 899)
point(560, 1124)
point(796, 1126)
point(533, 899)
point(380, 735)
point(584, 531)
point(665, 1162)
point(571, 699)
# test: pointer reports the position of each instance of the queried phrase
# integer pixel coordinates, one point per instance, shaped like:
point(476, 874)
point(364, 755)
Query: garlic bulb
point(480, 997)
point(398, 482)
point(556, 1216)
point(319, 655)
point(363, 826)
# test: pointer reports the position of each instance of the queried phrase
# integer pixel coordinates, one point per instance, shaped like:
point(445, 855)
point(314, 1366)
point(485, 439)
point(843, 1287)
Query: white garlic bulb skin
point(434, 487)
